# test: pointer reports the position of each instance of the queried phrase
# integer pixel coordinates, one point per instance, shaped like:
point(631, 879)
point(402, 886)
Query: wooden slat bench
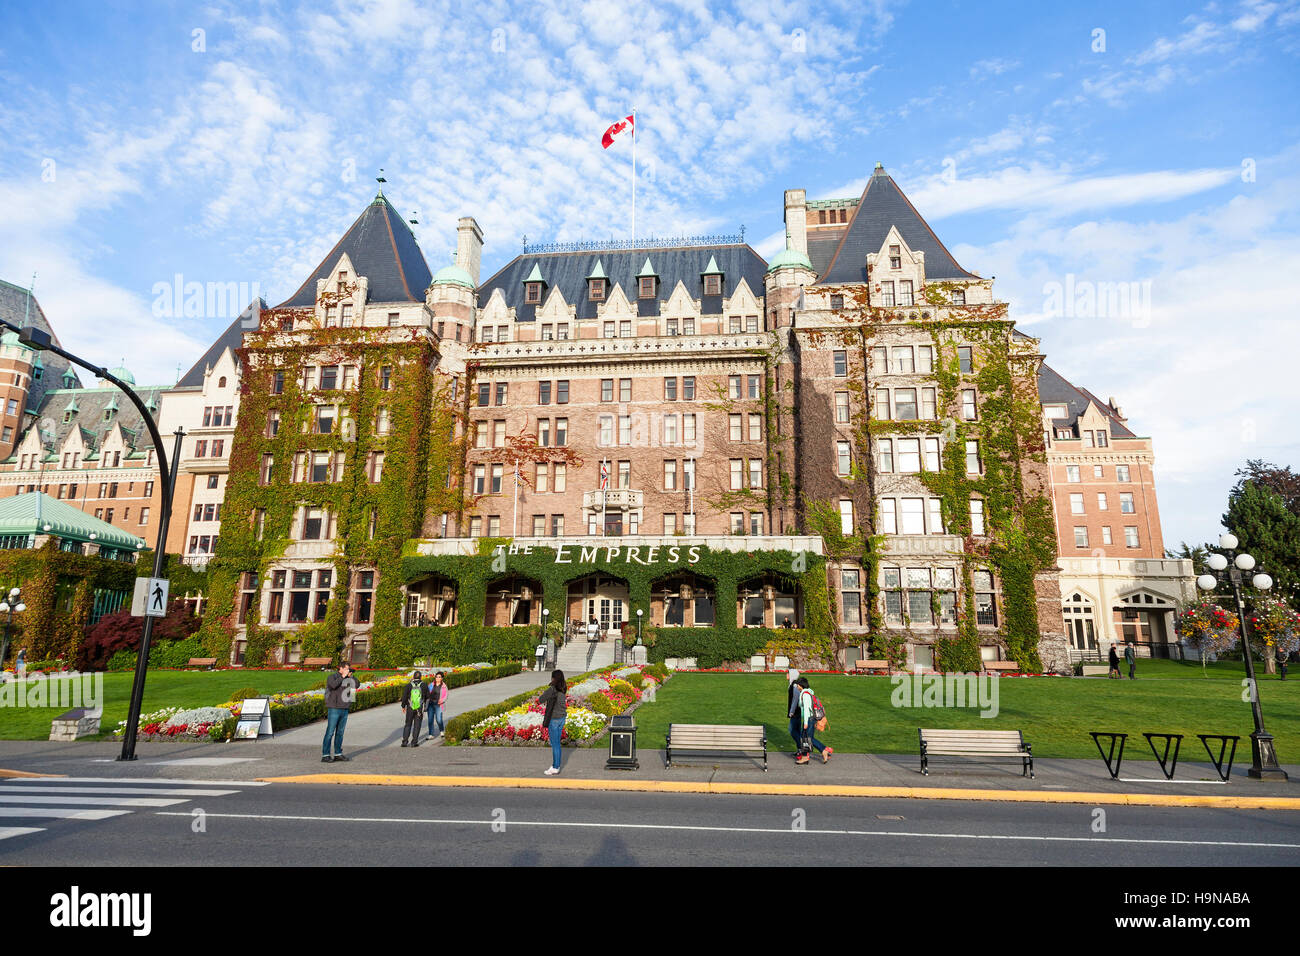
point(208, 662)
point(322, 662)
point(866, 667)
point(1007, 667)
point(717, 738)
point(1007, 744)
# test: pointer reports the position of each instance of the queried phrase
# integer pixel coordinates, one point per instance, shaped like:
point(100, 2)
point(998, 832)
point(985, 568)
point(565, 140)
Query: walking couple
point(420, 697)
point(806, 717)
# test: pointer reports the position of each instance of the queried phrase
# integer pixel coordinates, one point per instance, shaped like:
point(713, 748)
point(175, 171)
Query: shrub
point(637, 680)
point(623, 688)
point(657, 670)
point(602, 705)
point(244, 693)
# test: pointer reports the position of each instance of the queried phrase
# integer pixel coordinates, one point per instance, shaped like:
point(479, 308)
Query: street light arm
point(42, 340)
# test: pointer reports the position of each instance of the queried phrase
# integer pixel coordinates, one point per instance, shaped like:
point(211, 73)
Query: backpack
point(415, 696)
point(818, 711)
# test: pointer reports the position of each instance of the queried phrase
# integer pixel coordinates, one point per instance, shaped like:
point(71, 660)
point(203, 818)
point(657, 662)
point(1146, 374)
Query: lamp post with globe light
point(8, 607)
point(1264, 765)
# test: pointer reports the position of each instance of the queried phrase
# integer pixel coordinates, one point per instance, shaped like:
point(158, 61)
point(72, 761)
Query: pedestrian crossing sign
point(150, 598)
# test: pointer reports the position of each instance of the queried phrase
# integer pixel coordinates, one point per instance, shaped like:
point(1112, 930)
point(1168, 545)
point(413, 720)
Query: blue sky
point(1160, 153)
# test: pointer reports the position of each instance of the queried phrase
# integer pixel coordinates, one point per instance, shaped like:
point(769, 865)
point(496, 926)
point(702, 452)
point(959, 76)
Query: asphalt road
point(116, 823)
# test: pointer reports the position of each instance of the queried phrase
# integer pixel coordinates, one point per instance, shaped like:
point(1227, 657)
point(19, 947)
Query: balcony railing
point(613, 499)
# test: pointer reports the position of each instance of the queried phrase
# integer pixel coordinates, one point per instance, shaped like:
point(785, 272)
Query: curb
point(791, 789)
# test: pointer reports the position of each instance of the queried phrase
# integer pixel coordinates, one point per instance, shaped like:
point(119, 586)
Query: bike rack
point(1113, 767)
point(1166, 767)
point(1223, 772)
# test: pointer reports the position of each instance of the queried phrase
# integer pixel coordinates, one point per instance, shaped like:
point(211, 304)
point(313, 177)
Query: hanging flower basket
point(1276, 625)
point(1205, 628)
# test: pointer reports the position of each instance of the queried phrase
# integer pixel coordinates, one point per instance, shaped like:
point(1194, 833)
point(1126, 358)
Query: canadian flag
point(627, 123)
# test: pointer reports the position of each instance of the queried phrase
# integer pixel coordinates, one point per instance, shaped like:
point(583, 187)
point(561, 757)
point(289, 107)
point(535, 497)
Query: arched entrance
point(430, 602)
point(598, 599)
point(683, 599)
point(769, 600)
point(512, 601)
point(1146, 620)
point(1081, 626)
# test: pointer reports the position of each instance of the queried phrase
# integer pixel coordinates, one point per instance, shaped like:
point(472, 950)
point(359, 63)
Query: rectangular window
point(1102, 503)
point(561, 432)
point(1076, 504)
point(903, 363)
point(1072, 473)
point(755, 427)
point(888, 516)
point(329, 378)
point(905, 292)
point(688, 388)
point(625, 429)
point(501, 393)
point(905, 404)
point(1121, 473)
point(936, 515)
point(756, 473)
point(972, 457)
point(1102, 440)
point(688, 474)
point(562, 392)
point(965, 356)
point(841, 360)
point(484, 394)
point(688, 429)
point(928, 404)
point(606, 389)
point(498, 434)
point(1105, 535)
point(386, 378)
point(925, 359)
point(670, 389)
point(544, 433)
point(880, 359)
point(885, 455)
point(733, 386)
point(912, 515)
point(735, 427)
point(625, 390)
point(909, 455)
point(755, 522)
point(752, 383)
point(882, 404)
point(670, 429)
point(1080, 536)
point(670, 476)
point(646, 287)
point(841, 408)
point(561, 472)
point(932, 462)
point(968, 404)
point(479, 473)
point(737, 474)
point(1126, 503)
point(887, 293)
point(497, 472)
point(737, 522)
point(625, 474)
point(543, 393)
point(976, 516)
point(539, 526)
point(543, 477)
point(277, 382)
point(846, 516)
point(557, 526)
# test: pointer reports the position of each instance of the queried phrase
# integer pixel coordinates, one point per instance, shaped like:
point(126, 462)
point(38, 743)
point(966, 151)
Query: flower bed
point(591, 700)
point(293, 709)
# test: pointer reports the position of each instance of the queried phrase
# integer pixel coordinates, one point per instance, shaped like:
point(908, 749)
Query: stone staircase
point(580, 656)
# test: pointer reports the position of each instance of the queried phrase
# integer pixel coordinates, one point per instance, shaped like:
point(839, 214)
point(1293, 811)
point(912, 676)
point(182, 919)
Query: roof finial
point(415, 218)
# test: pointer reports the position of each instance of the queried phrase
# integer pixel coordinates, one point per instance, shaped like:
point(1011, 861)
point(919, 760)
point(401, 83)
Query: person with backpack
point(436, 695)
point(813, 716)
point(413, 705)
point(555, 702)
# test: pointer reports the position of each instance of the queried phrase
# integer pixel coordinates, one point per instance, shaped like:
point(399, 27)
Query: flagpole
point(516, 519)
point(633, 173)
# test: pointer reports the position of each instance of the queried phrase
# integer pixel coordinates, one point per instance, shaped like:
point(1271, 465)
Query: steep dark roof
point(883, 205)
point(821, 249)
point(231, 339)
point(568, 272)
point(1053, 389)
point(383, 249)
point(17, 308)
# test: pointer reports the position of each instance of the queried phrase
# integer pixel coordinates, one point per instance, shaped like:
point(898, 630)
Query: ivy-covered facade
point(832, 455)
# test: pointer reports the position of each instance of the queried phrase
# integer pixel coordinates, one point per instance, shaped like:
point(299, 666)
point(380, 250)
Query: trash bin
point(622, 743)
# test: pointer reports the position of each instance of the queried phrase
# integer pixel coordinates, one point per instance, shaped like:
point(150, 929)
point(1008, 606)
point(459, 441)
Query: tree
point(120, 631)
point(1269, 530)
point(1283, 481)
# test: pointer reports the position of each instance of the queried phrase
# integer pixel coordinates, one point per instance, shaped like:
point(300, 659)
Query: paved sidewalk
point(382, 726)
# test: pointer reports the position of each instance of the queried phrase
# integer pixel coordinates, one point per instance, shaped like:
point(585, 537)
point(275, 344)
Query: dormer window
point(343, 279)
point(895, 257)
point(346, 318)
point(958, 296)
point(532, 293)
point(331, 317)
point(108, 414)
point(596, 290)
point(713, 285)
point(646, 287)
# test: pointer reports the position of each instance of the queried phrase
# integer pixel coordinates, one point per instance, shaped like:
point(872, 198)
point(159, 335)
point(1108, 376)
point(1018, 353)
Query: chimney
point(796, 218)
point(469, 247)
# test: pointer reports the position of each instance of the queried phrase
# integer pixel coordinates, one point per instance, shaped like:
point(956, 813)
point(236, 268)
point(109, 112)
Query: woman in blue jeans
point(436, 694)
point(553, 699)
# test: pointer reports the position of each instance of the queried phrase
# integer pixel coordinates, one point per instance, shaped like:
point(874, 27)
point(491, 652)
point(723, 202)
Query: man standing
point(1130, 658)
point(413, 705)
point(340, 691)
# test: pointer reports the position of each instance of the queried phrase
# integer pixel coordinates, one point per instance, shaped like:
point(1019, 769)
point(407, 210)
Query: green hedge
point(464, 645)
point(712, 647)
point(161, 654)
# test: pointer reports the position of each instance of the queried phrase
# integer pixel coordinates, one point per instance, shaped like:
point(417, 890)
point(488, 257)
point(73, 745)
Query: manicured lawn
point(1055, 714)
point(162, 689)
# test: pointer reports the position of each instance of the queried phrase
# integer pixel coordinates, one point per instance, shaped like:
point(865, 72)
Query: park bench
point(1006, 667)
point(208, 662)
point(866, 667)
point(322, 662)
point(717, 738)
point(1096, 670)
point(1008, 744)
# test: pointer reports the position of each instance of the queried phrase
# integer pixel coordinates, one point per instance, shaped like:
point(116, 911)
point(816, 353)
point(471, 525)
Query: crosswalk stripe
point(94, 801)
point(127, 791)
point(62, 813)
point(7, 832)
point(39, 782)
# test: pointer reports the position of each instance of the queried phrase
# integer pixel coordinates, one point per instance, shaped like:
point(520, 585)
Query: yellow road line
point(24, 773)
point(793, 789)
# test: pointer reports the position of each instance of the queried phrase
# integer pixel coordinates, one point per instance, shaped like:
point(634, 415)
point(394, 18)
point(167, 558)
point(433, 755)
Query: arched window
point(221, 382)
point(1080, 622)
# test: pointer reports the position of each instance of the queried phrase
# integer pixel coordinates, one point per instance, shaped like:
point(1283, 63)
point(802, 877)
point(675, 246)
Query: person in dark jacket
point(1114, 663)
point(1130, 658)
point(413, 706)
point(340, 691)
point(554, 700)
point(792, 710)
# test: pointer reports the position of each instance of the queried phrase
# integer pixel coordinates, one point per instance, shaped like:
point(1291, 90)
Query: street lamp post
point(40, 339)
point(1263, 765)
point(8, 607)
point(639, 612)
